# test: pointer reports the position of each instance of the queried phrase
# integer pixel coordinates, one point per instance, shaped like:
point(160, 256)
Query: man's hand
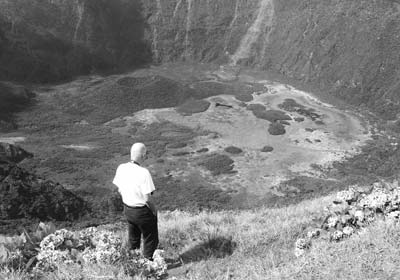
point(152, 208)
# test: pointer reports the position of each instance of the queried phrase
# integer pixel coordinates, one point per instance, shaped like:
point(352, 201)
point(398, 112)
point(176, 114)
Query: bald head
point(138, 151)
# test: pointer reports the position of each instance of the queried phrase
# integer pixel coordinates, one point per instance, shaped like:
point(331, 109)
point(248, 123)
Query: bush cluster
point(354, 209)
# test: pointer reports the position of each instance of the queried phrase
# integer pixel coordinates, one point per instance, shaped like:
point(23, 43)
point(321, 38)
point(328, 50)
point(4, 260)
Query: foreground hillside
point(258, 245)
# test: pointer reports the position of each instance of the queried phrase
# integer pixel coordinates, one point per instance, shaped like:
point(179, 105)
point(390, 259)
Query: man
point(135, 185)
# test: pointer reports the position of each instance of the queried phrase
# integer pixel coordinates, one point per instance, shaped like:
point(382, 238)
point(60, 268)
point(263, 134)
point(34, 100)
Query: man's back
point(134, 183)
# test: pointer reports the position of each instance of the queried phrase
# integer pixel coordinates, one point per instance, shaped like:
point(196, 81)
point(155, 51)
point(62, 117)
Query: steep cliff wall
point(51, 40)
point(350, 48)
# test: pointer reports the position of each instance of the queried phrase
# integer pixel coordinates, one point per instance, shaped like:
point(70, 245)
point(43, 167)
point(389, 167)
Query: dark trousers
point(142, 222)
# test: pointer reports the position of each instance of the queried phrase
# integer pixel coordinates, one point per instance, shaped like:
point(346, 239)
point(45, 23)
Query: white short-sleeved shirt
point(133, 182)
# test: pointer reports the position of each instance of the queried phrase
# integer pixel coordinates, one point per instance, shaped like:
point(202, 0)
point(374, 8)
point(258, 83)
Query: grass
point(257, 244)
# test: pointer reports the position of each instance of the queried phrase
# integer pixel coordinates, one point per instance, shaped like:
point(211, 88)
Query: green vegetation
point(270, 115)
point(193, 106)
point(177, 145)
point(244, 97)
point(13, 99)
point(217, 164)
point(379, 158)
point(233, 150)
point(202, 150)
point(256, 245)
point(276, 129)
point(189, 194)
point(267, 149)
point(290, 105)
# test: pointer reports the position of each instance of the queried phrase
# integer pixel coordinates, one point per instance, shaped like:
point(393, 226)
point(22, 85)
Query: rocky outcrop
point(25, 195)
point(345, 47)
point(13, 153)
point(354, 209)
point(52, 40)
point(13, 98)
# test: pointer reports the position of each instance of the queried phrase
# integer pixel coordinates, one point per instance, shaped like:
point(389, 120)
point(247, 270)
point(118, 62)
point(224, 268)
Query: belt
point(135, 207)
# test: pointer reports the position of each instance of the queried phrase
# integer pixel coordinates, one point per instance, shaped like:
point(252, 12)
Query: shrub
point(290, 105)
point(177, 145)
point(276, 129)
point(218, 164)
point(244, 97)
point(203, 150)
point(267, 149)
point(192, 107)
point(271, 115)
point(233, 150)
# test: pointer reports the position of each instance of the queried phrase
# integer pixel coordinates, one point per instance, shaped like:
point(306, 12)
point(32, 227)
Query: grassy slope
point(259, 245)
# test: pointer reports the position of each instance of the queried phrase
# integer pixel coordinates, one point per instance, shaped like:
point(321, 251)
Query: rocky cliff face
point(349, 48)
point(51, 40)
point(25, 195)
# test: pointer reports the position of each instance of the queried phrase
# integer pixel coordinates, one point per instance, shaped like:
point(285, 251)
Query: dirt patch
point(193, 106)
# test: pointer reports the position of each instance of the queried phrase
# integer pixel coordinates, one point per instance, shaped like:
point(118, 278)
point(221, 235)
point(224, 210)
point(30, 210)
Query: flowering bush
point(93, 246)
point(53, 248)
point(377, 199)
point(346, 195)
point(135, 265)
point(354, 209)
point(301, 245)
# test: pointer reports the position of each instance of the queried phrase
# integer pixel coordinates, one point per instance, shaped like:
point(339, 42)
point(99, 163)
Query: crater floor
point(74, 145)
point(228, 122)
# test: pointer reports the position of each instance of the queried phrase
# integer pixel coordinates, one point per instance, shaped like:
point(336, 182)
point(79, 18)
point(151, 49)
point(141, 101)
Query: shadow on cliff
point(42, 46)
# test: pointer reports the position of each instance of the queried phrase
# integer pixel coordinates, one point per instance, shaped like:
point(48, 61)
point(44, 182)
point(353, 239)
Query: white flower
point(337, 235)
point(377, 199)
point(299, 252)
point(359, 215)
point(313, 233)
point(348, 231)
point(347, 195)
point(303, 243)
point(393, 215)
point(332, 221)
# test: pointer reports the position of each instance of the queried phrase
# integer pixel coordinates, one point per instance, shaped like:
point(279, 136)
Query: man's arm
point(150, 204)
point(148, 192)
